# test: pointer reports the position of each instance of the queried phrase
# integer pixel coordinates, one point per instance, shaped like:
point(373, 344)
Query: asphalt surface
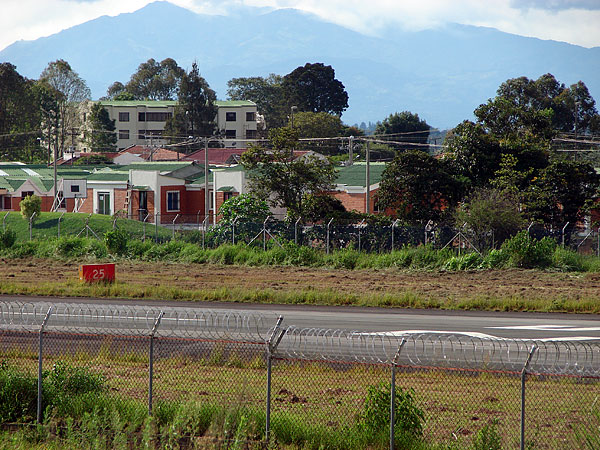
point(500, 324)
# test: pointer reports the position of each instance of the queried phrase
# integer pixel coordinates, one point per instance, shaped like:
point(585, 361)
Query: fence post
point(328, 225)
point(272, 343)
point(394, 226)
point(359, 230)
point(296, 230)
point(563, 234)
point(115, 223)
point(151, 365)
point(523, 377)
point(59, 219)
point(40, 359)
point(393, 394)
point(264, 233)
point(233, 231)
point(173, 223)
point(204, 225)
point(4, 221)
point(145, 220)
point(156, 227)
point(31, 224)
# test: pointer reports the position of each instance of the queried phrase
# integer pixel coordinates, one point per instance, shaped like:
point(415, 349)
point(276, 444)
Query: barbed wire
point(451, 350)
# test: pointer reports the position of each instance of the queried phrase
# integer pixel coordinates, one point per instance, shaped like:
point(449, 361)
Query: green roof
point(226, 189)
point(133, 103)
point(109, 176)
point(355, 175)
point(166, 103)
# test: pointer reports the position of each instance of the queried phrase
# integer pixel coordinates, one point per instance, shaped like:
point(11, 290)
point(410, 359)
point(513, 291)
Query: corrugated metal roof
point(160, 166)
point(134, 103)
point(109, 176)
point(355, 175)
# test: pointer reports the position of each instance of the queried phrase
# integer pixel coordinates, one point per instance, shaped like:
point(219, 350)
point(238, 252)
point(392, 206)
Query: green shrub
point(29, 205)
point(568, 260)
point(495, 259)
point(464, 262)
point(487, 438)
point(116, 241)
point(8, 238)
point(137, 249)
point(18, 395)
point(71, 247)
point(527, 252)
point(375, 417)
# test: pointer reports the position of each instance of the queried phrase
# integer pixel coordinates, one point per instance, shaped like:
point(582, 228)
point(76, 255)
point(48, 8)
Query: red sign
point(97, 272)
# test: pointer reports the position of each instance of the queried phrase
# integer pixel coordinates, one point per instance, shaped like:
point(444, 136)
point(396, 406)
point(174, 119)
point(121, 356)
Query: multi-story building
point(142, 122)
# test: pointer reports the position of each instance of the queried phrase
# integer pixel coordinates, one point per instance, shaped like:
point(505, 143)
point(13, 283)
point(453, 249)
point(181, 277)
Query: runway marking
point(478, 335)
point(563, 328)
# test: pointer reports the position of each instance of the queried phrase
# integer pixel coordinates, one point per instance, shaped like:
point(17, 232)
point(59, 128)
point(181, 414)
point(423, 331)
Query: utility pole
point(350, 150)
point(368, 179)
point(206, 196)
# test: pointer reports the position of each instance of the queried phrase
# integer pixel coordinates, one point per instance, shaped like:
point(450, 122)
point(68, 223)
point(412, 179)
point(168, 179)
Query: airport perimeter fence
point(327, 235)
point(535, 394)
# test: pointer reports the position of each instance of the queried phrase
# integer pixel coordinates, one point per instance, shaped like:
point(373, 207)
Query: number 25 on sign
point(92, 273)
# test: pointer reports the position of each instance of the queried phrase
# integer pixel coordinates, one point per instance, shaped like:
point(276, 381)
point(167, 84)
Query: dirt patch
point(434, 286)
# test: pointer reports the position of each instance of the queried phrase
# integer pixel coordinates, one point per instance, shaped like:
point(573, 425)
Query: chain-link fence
point(332, 384)
point(328, 235)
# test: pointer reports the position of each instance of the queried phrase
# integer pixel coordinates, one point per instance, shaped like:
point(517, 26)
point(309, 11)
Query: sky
point(572, 21)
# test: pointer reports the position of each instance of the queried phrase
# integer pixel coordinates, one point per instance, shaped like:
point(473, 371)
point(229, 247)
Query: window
point(26, 194)
point(230, 117)
point(227, 196)
point(74, 188)
point(141, 134)
point(123, 134)
point(250, 134)
point(230, 134)
point(251, 117)
point(158, 116)
point(173, 201)
point(123, 117)
point(141, 117)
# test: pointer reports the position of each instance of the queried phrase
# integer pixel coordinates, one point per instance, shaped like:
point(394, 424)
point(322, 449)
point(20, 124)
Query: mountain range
point(442, 74)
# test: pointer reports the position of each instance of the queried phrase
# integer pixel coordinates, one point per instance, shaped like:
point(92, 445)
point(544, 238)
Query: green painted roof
point(354, 175)
point(226, 189)
point(109, 176)
point(145, 103)
point(166, 103)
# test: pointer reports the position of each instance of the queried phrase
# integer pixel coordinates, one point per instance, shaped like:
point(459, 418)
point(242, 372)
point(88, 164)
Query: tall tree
point(153, 80)
point(283, 179)
point(405, 127)
point(417, 187)
point(318, 125)
point(196, 111)
point(71, 90)
point(100, 133)
point(313, 87)
point(266, 93)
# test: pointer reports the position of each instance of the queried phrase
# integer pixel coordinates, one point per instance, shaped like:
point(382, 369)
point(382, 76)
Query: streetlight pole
point(293, 108)
point(206, 194)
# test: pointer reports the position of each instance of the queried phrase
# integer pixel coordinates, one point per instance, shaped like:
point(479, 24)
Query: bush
point(71, 247)
point(375, 417)
point(29, 205)
point(116, 241)
point(495, 259)
point(18, 395)
point(527, 252)
point(7, 238)
point(464, 262)
point(487, 438)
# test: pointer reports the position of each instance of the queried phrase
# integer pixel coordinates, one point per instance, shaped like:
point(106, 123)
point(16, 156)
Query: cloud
point(556, 5)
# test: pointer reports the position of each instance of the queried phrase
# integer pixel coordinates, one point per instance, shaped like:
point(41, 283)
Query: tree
point(19, 116)
point(196, 110)
point(153, 80)
point(71, 90)
point(283, 179)
point(319, 206)
point(318, 125)
point(313, 87)
point(561, 192)
point(406, 127)
point(491, 214)
point(101, 134)
point(29, 205)
point(265, 92)
point(417, 187)
point(243, 208)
